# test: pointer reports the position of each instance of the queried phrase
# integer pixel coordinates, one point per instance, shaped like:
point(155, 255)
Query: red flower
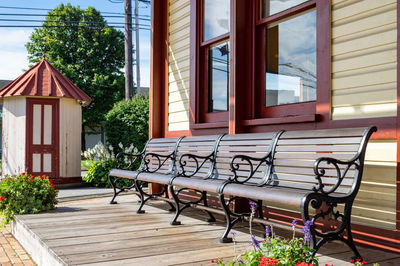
point(358, 260)
point(303, 264)
point(351, 261)
point(23, 173)
point(364, 262)
point(212, 261)
point(268, 261)
point(2, 198)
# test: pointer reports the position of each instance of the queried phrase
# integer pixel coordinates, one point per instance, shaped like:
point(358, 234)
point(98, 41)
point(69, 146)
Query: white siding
point(364, 66)
point(13, 141)
point(178, 64)
point(70, 138)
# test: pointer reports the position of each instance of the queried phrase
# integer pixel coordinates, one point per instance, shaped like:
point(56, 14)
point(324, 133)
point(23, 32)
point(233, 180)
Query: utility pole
point(128, 51)
point(137, 47)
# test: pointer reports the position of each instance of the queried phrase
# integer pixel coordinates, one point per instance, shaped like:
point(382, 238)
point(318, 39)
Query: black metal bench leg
point(177, 206)
point(111, 179)
point(172, 209)
point(349, 241)
point(212, 218)
point(229, 222)
point(141, 196)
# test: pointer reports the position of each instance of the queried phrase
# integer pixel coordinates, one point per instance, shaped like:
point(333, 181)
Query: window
point(214, 59)
point(287, 78)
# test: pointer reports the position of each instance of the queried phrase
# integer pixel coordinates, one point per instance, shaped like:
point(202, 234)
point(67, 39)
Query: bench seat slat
point(316, 148)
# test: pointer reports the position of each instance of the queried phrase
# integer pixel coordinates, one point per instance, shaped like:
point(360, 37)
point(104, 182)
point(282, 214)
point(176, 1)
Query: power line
point(68, 21)
point(66, 26)
point(48, 9)
point(52, 15)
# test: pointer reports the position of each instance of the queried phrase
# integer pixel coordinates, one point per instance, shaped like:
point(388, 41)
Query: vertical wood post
point(128, 50)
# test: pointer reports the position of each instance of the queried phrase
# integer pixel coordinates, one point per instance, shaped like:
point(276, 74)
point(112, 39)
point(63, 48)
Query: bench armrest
point(161, 159)
point(254, 164)
point(134, 157)
point(198, 160)
point(340, 173)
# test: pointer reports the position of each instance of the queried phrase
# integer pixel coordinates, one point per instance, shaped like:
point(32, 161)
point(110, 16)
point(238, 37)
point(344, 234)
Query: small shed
point(42, 123)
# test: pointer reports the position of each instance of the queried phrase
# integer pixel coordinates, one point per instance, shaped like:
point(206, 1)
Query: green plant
point(103, 160)
point(128, 123)
point(24, 193)
point(275, 250)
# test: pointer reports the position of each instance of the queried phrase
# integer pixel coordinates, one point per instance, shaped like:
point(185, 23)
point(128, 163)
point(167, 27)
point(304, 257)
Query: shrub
point(128, 123)
point(103, 160)
point(24, 193)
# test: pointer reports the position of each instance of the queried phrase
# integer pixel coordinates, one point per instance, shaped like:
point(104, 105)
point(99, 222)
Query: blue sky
point(13, 55)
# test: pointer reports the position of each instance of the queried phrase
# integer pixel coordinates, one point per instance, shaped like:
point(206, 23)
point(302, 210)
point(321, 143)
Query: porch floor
point(91, 231)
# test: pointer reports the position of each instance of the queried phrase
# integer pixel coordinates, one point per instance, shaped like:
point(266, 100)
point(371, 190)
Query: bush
point(23, 194)
point(128, 123)
point(103, 160)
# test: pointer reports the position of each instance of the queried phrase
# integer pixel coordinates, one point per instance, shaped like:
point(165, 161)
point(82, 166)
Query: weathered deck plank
point(92, 232)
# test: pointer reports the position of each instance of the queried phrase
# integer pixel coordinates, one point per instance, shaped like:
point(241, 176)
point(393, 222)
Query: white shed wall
point(70, 138)
point(13, 132)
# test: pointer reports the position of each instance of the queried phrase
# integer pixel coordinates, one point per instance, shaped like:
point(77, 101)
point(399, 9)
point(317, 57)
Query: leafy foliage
point(103, 160)
point(128, 123)
point(79, 44)
point(23, 194)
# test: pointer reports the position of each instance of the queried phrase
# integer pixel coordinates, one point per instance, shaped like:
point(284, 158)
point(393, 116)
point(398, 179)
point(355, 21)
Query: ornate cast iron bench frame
point(267, 189)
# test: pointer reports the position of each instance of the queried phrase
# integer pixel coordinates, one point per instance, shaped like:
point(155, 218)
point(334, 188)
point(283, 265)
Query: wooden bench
point(317, 173)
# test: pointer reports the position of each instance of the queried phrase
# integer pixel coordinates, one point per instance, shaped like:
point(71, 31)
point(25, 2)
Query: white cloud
point(13, 54)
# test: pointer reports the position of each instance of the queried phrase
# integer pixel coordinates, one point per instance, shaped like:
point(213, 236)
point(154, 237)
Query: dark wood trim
point(323, 103)
point(287, 13)
point(281, 120)
point(177, 134)
point(67, 180)
point(210, 125)
point(54, 149)
point(398, 123)
point(217, 39)
point(194, 64)
point(158, 114)
point(158, 66)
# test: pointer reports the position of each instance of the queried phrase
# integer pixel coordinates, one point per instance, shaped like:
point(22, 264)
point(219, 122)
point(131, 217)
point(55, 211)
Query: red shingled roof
point(44, 80)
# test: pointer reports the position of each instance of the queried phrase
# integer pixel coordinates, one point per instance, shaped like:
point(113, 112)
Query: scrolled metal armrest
point(125, 154)
point(183, 162)
point(161, 159)
point(235, 166)
point(340, 175)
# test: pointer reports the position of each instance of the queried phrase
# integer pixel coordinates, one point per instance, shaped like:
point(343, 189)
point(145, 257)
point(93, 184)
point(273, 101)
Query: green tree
point(80, 44)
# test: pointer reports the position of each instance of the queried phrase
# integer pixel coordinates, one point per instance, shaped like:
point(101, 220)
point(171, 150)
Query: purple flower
point(241, 261)
point(294, 223)
point(233, 235)
point(267, 230)
point(255, 242)
point(252, 206)
point(306, 231)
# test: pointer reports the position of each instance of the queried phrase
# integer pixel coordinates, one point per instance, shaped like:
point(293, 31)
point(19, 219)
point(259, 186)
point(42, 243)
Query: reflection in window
point(216, 18)
point(291, 60)
point(218, 77)
point(270, 7)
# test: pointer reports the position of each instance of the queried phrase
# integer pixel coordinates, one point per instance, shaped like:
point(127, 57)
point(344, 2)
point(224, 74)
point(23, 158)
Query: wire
point(69, 21)
point(66, 26)
point(50, 15)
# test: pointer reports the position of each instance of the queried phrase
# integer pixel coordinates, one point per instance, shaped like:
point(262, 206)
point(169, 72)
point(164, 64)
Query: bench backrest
point(160, 155)
point(257, 145)
point(203, 146)
point(294, 163)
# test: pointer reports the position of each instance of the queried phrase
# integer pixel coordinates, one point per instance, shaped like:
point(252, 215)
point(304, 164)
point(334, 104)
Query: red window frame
point(286, 110)
point(203, 91)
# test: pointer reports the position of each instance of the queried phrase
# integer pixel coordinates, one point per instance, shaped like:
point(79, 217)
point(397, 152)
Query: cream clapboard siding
point(364, 58)
point(14, 123)
point(178, 64)
point(70, 138)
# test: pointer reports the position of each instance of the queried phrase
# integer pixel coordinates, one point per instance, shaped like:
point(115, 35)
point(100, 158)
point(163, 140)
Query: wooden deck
point(93, 232)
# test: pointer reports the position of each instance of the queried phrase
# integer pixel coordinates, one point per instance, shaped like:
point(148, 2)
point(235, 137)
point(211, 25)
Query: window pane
point(218, 77)
point(291, 61)
point(216, 18)
point(270, 7)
